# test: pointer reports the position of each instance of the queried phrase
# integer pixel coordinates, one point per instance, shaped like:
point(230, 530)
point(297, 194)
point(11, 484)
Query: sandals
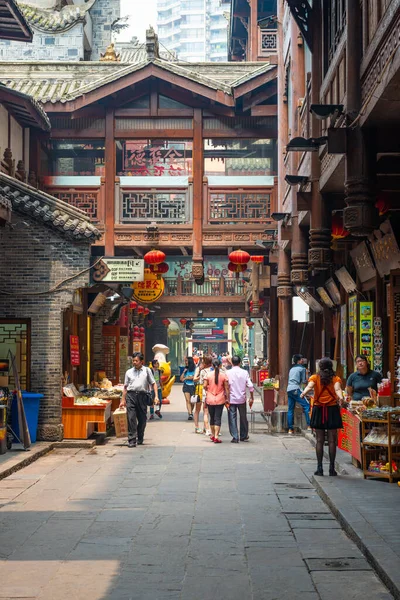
point(198, 430)
point(217, 441)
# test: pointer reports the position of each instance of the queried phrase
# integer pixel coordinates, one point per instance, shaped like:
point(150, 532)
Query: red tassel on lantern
point(383, 204)
point(338, 230)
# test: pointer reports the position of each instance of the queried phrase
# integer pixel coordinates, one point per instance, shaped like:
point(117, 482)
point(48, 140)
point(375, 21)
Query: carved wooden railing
point(88, 199)
point(213, 286)
point(244, 207)
point(267, 42)
point(143, 206)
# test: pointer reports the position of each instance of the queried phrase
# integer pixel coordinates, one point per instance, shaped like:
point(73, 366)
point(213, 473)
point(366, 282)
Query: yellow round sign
point(150, 290)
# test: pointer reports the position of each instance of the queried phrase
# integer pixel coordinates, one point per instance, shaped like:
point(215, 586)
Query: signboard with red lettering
point(349, 437)
point(74, 350)
point(149, 290)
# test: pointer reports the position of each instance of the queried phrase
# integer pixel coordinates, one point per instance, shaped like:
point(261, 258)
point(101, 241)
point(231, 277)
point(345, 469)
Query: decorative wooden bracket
point(302, 14)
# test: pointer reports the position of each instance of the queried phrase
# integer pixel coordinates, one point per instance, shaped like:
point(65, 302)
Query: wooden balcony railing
point(267, 42)
point(170, 207)
point(87, 199)
point(213, 286)
point(250, 207)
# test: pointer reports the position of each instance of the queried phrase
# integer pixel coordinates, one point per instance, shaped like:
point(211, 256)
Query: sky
point(142, 14)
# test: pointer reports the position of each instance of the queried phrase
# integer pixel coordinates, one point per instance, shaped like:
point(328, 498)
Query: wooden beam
point(158, 133)
point(198, 171)
point(255, 83)
point(265, 94)
point(77, 133)
point(110, 170)
point(265, 110)
point(253, 31)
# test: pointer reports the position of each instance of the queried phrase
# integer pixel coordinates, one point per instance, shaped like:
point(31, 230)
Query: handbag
point(195, 398)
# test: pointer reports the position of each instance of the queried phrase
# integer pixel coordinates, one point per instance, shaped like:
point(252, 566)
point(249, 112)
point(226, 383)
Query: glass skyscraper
point(195, 29)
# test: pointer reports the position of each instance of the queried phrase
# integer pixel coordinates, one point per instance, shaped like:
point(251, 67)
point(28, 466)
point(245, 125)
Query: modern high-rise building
point(195, 29)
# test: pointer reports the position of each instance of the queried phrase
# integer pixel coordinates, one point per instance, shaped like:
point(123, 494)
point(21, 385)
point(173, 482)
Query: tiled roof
point(26, 109)
point(55, 20)
point(52, 212)
point(64, 81)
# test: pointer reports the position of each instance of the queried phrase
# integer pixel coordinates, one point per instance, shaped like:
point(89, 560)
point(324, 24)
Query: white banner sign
point(119, 270)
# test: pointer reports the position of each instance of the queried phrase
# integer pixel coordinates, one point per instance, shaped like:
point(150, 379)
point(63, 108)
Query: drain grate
point(299, 497)
point(297, 486)
point(310, 516)
point(337, 564)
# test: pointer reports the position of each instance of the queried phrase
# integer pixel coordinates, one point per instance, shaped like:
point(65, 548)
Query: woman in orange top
point(325, 415)
point(216, 385)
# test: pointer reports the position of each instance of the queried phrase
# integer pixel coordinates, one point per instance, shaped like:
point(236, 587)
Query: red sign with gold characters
point(74, 350)
point(349, 437)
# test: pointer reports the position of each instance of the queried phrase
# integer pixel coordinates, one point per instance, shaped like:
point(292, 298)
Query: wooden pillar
point(284, 293)
point(360, 215)
point(110, 172)
point(198, 170)
point(319, 254)
point(282, 109)
point(273, 341)
point(253, 31)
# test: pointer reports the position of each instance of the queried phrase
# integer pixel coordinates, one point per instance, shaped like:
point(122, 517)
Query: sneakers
point(291, 432)
point(131, 444)
point(233, 441)
point(198, 430)
point(208, 432)
point(190, 417)
point(151, 417)
point(159, 415)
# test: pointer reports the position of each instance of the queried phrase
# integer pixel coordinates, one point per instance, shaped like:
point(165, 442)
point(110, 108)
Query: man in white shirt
point(138, 382)
point(239, 382)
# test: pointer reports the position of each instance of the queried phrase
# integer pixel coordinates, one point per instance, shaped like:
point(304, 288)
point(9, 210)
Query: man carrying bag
point(136, 397)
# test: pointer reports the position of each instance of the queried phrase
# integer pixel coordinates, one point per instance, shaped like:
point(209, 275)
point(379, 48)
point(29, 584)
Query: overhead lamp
point(323, 111)
point(299, 144)
point(296, 179)
point(303, 289)
point(279, 216)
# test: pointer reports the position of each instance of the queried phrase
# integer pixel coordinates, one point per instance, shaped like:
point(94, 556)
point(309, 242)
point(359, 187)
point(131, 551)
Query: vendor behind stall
point(360, 382)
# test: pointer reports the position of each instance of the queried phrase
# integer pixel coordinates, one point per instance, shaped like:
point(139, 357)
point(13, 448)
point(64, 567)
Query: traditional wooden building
point(162, 153)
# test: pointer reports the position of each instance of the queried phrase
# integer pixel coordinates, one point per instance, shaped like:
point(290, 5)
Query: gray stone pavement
point(178, 518)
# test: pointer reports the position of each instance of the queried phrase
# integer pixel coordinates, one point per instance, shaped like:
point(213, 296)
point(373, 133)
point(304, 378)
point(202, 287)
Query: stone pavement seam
point(378, 566)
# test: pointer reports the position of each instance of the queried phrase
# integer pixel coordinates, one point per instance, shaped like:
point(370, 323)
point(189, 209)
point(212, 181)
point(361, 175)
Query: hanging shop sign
point(385, 249)
point(363, 262)
point(323, 294)
point(310, 300)
point(349, 436)
point(333, 291)
point(343, 339)
point(150, 289)
point(118, 270)
point(378, 345)
point(74, 350)
point(346, 280)
point(353, 323)
point(366, 329)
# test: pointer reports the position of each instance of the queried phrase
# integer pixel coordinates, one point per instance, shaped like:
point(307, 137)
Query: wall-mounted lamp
point(323, 111)
point(299, 144)
point(279, 216)
point(296, 179)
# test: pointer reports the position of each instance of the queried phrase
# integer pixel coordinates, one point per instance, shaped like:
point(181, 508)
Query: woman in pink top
point(217, 395)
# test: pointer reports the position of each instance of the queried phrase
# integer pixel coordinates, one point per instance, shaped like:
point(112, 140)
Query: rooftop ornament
point(110, 55)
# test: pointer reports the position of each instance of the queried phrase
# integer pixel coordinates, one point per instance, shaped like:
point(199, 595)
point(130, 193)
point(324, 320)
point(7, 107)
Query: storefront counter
point(80, 420)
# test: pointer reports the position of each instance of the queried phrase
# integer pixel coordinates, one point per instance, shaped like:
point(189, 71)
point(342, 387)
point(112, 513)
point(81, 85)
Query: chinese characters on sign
point(74, 350)
point(156, 158)
point(343, 339)
point(366, 319)
point(385, 250)
point(119, 270)
point(378, 345)
point(349, 436)
point(363, 262)
point(149, 290)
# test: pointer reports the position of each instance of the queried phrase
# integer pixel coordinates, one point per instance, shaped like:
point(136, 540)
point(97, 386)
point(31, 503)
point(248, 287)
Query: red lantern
point(140, 309)
point(133, 305)
point(149, 323)
point(159, 269)
point(261, 302)
point(239, 257)
point(250, 324)
point(154, 257)
point(141, 329)
point(236, 268)
point(183, 321)
point(146, 311)
point(166, 322)
point(383, 204)
point(234, 323)
point(257, 259)
point(338, 230)
point(136, 328)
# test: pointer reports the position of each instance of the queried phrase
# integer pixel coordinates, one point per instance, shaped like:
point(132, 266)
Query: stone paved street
point(179, 518)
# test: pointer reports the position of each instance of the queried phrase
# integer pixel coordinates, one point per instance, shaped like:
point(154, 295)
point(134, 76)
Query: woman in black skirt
point(328, 395)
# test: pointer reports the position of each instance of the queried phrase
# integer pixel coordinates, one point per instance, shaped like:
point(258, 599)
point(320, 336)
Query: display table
point(349, 438)
point(80, 420)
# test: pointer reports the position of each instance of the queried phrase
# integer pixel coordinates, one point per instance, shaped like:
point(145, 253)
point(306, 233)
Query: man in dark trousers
point(297, 379)
point(139, 381)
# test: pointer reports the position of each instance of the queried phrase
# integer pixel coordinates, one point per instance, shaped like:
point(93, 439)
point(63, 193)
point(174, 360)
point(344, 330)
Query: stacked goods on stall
point(381, 442)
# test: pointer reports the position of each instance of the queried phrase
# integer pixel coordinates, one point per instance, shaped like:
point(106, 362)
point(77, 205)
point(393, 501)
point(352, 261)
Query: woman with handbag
point(187, 379)
point(217, 396)
point(205, 363)
point(328, 395)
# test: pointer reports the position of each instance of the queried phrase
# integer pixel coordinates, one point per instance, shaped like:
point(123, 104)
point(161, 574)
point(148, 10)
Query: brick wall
point(65, 46)
point(34, 259)
point(103, 13)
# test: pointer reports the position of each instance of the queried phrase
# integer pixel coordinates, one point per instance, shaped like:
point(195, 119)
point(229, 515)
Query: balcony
point(170, 207)
point(267, 42)
point(252, 207)
point(213, 287)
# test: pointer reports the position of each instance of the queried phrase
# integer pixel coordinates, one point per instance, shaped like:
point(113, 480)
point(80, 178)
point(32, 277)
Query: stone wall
point(65, 46)
point(34, 259)
point(103, 13)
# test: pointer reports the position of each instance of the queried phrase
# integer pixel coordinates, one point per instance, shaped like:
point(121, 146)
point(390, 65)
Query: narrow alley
point(178, 518)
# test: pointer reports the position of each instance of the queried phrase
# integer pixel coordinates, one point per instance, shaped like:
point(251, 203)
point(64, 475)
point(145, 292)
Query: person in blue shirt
point(297, 377)
point(187, 378)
